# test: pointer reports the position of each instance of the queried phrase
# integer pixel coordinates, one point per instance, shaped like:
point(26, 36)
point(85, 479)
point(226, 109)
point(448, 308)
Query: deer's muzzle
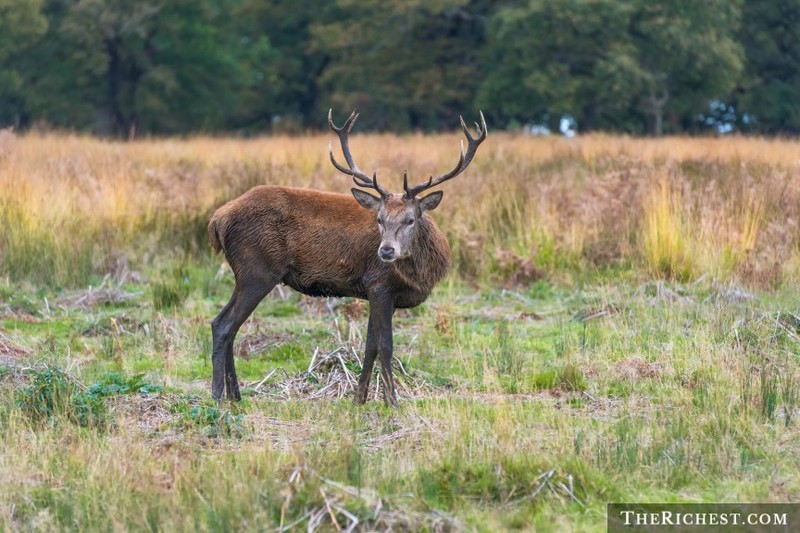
point(388, 253)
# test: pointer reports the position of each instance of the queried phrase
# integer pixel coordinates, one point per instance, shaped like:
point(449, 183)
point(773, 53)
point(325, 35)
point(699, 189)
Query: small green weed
point(568, 377)
point(53, 395)
point(210, 420)
point(114, 384)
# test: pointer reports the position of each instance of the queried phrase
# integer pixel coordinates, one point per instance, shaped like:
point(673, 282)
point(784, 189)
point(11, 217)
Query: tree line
point(122, 67)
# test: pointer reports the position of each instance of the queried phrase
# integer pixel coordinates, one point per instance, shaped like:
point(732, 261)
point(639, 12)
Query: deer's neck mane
point(429, 260)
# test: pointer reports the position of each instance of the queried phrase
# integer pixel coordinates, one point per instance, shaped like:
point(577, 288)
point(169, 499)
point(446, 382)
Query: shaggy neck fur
point(429, 260)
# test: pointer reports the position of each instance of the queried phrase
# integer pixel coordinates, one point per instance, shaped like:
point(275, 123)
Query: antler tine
point(465, 128)
point(348, 124)
point(376, 186)
point(359, 178)
point(464, 159)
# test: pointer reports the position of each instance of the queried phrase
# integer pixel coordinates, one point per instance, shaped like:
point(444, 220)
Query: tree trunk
point(657, 102)
point(589, 122)
point(114, 79)
point(123, 81)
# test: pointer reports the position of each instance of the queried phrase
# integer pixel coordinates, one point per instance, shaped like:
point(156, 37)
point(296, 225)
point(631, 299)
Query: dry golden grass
point(674, 207)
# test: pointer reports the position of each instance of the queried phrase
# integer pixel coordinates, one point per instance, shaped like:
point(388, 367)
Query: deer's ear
point(430, 202)
point(366, 199)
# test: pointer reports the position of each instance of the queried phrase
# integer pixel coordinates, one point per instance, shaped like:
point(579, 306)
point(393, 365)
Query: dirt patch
point(516, 270)
point(593, 313)
point(317, 307)
point(730, 293)
point(350, 308)
point(283, 434)
point(355, 310)
point(444, 323)
point(10, 350)
point(92, 297)
point(636, 368)
point(18, 314)
point(149, 413)
point(409, 432)
point(658, 294)
point(529, 315)
point(116, 326)
point(120, 272)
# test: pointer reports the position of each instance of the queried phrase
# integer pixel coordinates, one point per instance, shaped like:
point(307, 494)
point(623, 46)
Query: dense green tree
point(22, 24)
point(407, 64)
point(175, 66)
point(113, 41)
point(156, 66)
point(285, 99)
point(687, 55)
point(572, 57)
point(612, 63)
point(164, 66)
point(769, 92)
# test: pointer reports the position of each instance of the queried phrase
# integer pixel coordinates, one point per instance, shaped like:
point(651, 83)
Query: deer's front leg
point(386, 349)
point(380, 315)
point(370, 353)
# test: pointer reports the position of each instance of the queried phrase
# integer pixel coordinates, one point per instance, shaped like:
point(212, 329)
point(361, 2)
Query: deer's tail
point(213, 234)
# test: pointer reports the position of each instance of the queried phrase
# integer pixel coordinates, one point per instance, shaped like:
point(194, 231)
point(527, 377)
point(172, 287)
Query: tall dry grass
point(70, 206)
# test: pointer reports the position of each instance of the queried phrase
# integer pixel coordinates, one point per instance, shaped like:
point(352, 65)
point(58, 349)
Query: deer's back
point(321, 243)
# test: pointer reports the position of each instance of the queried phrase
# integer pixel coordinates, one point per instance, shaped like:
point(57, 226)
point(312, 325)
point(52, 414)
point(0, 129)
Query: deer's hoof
point(360, 399)
point(391, 402)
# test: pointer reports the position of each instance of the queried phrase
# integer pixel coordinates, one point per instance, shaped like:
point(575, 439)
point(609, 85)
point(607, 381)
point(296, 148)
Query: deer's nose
point(386, 253)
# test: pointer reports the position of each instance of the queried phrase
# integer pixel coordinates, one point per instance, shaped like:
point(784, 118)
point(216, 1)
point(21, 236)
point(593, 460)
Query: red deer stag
point(384, 249)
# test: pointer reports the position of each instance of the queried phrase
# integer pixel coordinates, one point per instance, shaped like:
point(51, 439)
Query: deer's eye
point(410, 222)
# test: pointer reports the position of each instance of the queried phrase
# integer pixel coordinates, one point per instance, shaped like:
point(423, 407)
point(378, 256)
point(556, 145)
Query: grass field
point(622, 324)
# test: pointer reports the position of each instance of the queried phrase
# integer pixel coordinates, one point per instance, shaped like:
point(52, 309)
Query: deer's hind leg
point(246, 296)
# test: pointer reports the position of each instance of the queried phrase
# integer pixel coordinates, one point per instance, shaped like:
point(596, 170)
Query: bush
point(53, 395)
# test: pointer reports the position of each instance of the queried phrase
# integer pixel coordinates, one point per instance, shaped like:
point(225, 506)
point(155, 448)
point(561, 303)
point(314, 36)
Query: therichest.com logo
point(688, 517)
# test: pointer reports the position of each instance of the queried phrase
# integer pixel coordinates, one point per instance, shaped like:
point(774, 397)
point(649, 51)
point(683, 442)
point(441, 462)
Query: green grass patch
point(525, 408)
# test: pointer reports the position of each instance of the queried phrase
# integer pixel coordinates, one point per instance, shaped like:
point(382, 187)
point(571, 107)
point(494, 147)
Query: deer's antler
point(463, 161)
point(359, 178)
